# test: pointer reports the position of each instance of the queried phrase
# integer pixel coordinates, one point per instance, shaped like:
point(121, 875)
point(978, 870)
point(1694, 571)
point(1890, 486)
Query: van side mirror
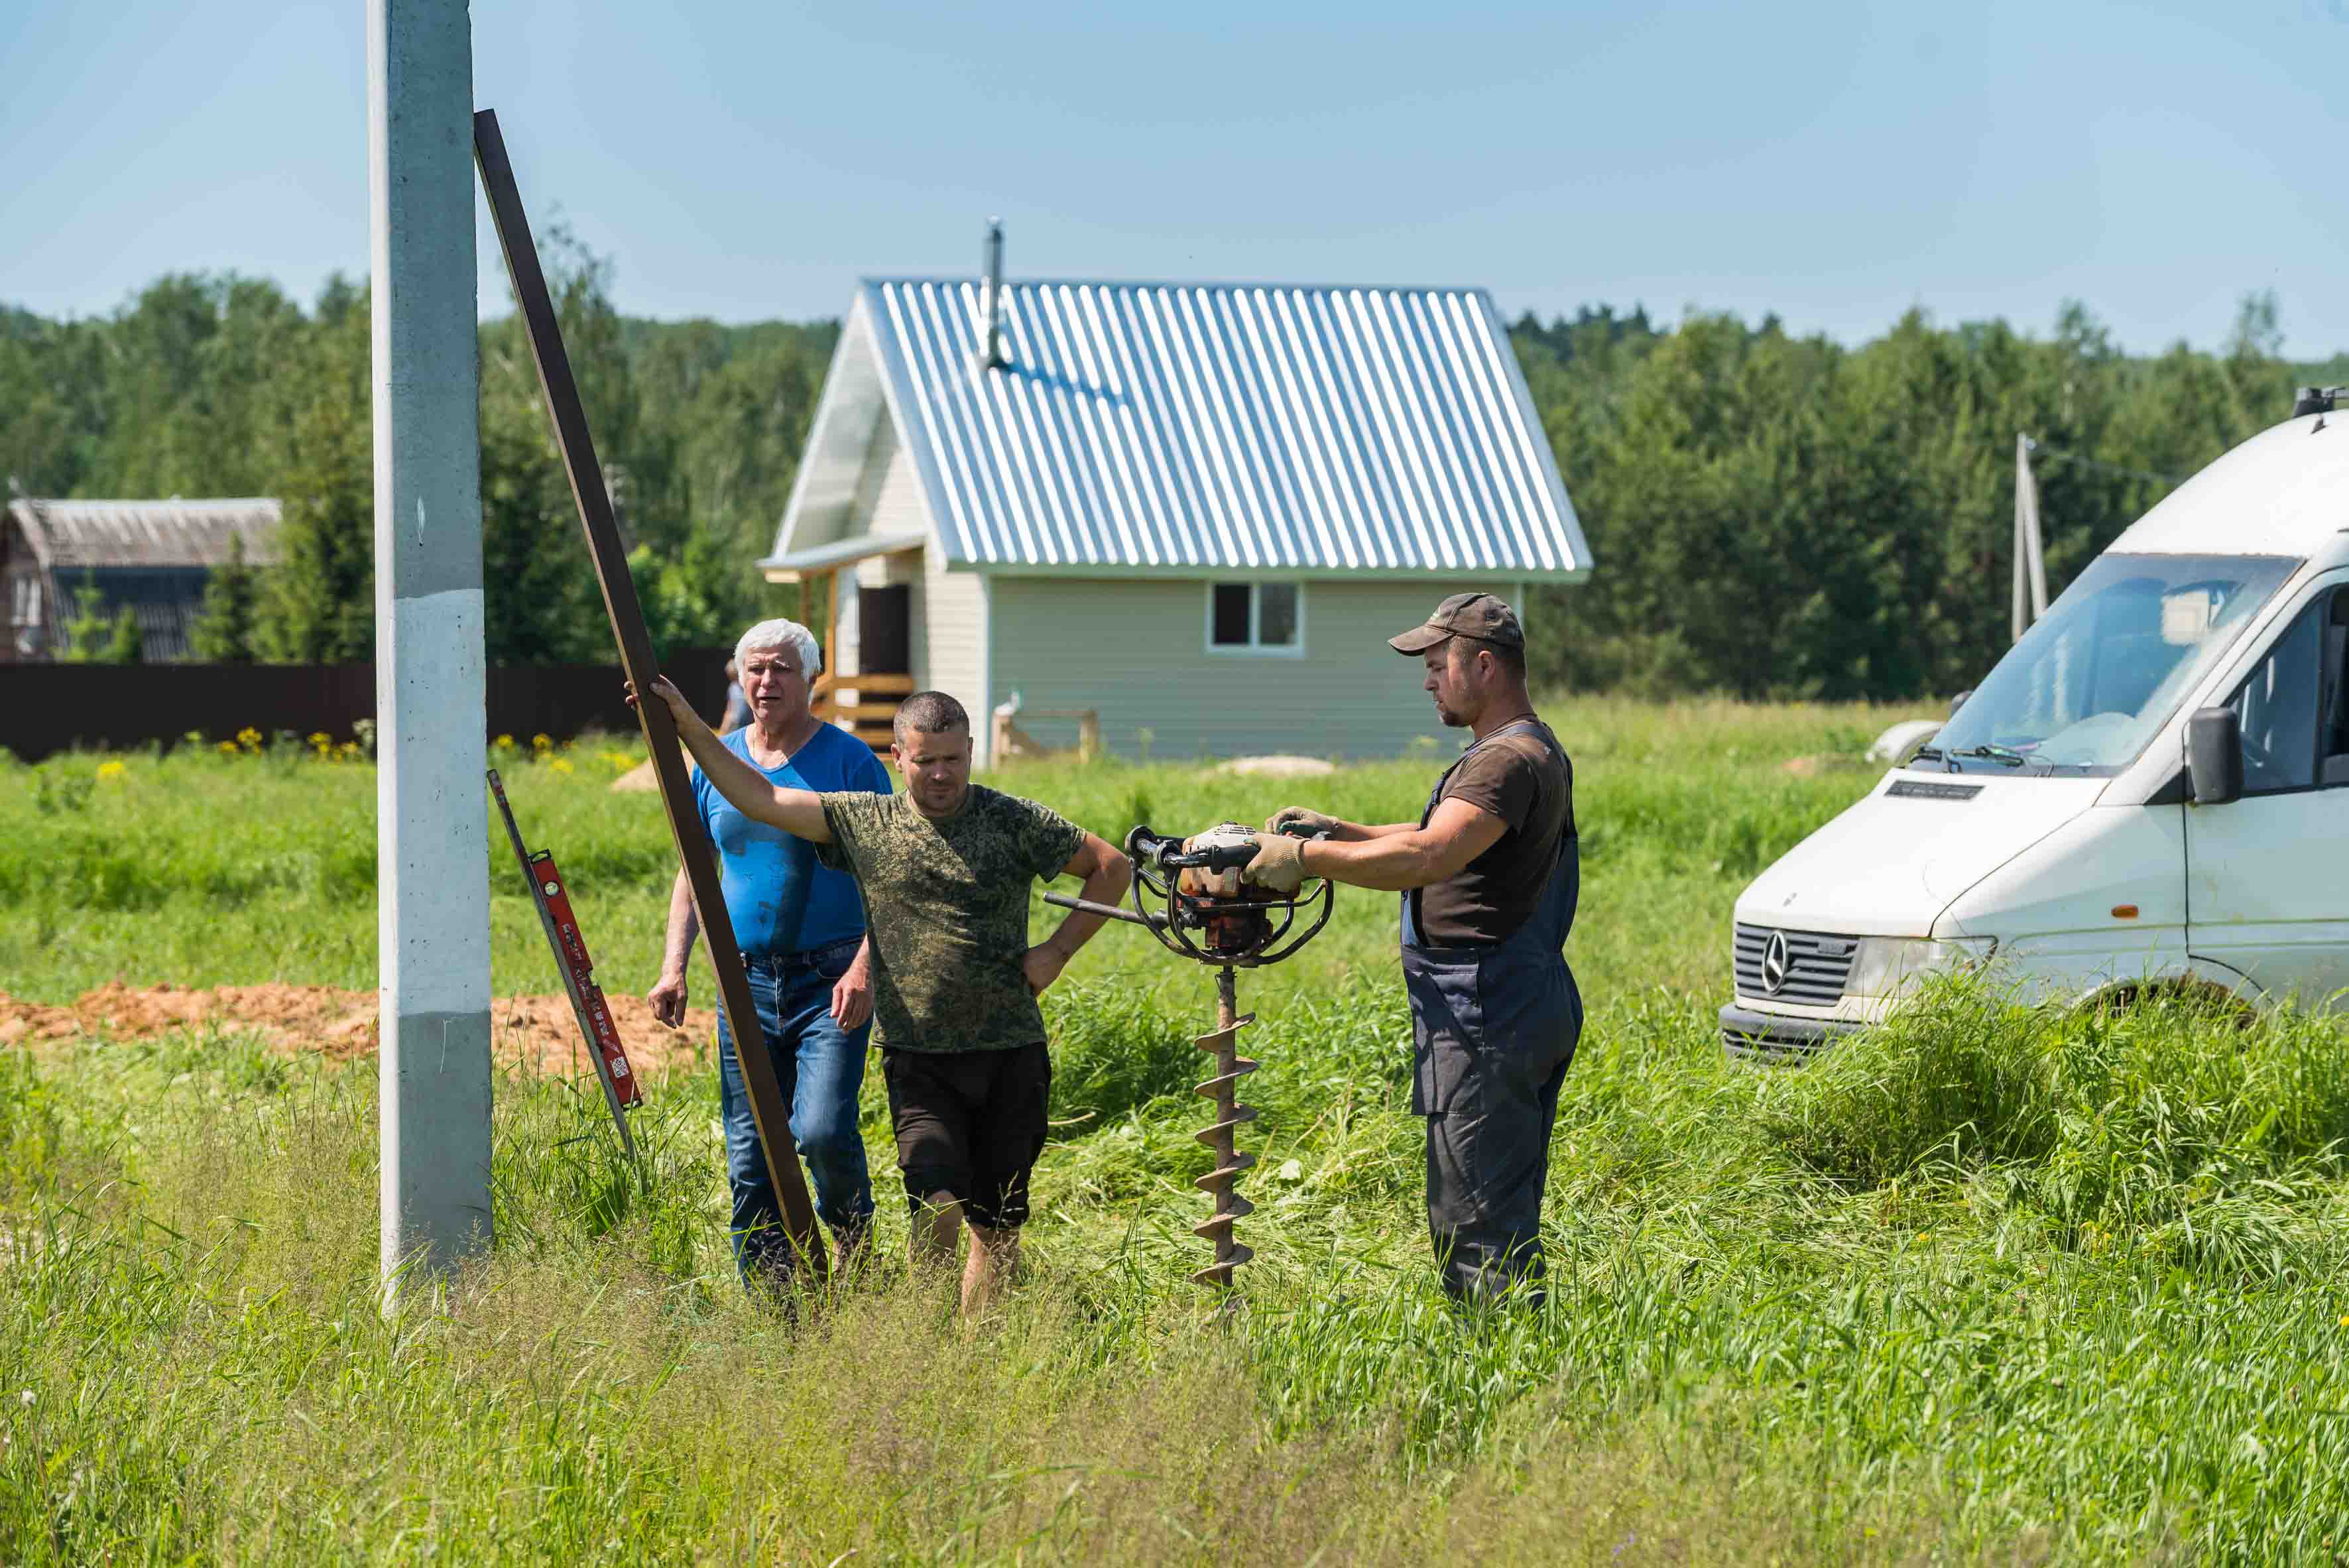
point(1958, 701)
point(2214, 754)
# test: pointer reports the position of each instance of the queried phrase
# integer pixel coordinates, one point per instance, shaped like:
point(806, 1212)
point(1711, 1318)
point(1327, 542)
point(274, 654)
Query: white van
point(2152, 787)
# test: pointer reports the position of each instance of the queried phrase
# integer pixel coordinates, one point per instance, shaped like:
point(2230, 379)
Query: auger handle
point(1168, 854)
point(1112, 911)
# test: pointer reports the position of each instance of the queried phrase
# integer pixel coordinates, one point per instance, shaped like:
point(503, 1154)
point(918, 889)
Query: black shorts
point(970, 1124)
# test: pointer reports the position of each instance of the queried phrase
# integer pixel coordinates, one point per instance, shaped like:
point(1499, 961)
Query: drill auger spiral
point(1223, 1088)
point(1206, 911)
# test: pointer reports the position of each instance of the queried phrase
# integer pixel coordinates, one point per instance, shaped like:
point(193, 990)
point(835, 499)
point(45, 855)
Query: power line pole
point(432, 819)
point(2030, 565)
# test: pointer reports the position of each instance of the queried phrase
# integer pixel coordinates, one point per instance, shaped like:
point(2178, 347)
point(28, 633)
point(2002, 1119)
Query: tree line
point(1772, 515)
point(225, 385)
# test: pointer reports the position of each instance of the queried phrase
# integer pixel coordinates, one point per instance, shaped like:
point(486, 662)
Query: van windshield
point(2089, 686)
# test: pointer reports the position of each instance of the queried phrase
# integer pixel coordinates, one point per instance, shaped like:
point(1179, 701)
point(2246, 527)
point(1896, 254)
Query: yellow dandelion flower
point(2344, 1320)
point(502, 743)
point(112, 769)
point(249, 738)
point(228, 748)
point(561, 765)
point(542, 743)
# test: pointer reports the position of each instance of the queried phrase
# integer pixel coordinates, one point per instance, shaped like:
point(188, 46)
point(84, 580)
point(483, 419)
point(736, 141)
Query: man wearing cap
point(1488, 875)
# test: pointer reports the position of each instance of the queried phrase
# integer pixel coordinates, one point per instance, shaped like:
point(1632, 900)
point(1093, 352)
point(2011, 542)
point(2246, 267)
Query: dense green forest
point(1772, 515)
point(225, 385)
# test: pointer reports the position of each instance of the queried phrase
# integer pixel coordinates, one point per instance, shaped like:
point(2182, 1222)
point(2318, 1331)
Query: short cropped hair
point(1511, 659)
point(930, 713)
point(781, 634)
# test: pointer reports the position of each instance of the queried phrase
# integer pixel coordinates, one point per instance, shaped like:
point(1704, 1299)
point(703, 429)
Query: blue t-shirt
point(779, 900)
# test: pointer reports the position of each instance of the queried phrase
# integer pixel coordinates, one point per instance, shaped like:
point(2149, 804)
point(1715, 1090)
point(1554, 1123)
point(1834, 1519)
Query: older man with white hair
point(802, 930)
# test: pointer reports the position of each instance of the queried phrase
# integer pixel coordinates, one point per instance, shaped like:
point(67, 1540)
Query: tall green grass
point(1990, 1283)
point(1787, 1318)
point(207, 869)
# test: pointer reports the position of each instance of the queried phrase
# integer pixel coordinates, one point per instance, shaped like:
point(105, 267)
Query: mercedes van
point(2150, 787)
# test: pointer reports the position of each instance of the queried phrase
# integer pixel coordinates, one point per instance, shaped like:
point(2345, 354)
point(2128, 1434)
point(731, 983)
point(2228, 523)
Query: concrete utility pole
point(432, 819)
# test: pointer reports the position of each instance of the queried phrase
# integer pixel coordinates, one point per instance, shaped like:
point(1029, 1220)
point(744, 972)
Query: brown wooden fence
point(46, 708)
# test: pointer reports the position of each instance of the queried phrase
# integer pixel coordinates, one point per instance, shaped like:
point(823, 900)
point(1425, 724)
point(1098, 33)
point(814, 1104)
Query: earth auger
point(1188, 894)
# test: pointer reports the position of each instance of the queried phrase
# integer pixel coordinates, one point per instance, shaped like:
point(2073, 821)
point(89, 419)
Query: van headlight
point(1892, 965)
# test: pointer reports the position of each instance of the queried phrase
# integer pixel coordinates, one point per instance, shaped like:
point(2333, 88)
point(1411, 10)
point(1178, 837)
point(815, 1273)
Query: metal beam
point(432, 901)
point(569, 416)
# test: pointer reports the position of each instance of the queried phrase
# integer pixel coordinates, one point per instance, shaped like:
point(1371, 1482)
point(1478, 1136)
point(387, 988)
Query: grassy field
point(1990, 1286)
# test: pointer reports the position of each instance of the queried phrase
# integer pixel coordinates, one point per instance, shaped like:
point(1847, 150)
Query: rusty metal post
point(569, 416)
point(1230, 1115)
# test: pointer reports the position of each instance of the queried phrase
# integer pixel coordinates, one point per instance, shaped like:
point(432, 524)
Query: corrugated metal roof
point(68, 534)
point(1226, 427)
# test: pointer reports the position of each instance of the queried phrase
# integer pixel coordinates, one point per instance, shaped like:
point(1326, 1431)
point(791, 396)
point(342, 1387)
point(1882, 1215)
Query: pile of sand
point(1279, 766)
point(539, 1030)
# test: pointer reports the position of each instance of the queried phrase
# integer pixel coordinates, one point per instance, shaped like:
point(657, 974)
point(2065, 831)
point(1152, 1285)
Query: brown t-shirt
point(1524, 778)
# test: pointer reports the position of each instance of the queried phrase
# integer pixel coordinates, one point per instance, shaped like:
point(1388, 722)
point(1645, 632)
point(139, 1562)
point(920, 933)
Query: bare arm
point(798, 812)
point(1106, 873)
point(1360, 832)
point(684, 927)
point(667, 997)
point(852, 996)
point(1395, 859)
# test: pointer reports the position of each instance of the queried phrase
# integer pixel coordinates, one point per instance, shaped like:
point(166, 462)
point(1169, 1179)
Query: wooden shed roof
point(68, 535)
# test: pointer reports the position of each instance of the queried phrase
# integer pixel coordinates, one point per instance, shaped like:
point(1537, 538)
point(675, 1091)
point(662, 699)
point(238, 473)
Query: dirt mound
point(1280, 767)
point(342, 1024)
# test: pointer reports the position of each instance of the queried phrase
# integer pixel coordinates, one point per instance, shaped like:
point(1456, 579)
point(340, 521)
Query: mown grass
point(1991, 1284)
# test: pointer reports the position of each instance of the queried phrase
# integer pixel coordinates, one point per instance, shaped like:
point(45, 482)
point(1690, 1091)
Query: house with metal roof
point(1194, 511)
point(155, 556)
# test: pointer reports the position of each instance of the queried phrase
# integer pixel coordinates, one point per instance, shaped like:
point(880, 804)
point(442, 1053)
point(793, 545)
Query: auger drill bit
point(1190, 895)
point(1223, 1088)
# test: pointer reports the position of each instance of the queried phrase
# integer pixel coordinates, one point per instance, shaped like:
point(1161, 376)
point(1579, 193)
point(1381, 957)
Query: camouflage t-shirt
point(946, 906)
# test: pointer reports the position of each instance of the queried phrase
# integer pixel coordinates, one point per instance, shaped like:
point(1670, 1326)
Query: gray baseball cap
point(1478, 615)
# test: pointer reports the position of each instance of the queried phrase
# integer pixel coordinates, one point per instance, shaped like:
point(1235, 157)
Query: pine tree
point(126, 641)
point(87, 633)
point(223, 633)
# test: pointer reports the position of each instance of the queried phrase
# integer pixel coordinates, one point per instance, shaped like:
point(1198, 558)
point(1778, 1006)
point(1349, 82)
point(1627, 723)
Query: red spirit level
point(554, 904)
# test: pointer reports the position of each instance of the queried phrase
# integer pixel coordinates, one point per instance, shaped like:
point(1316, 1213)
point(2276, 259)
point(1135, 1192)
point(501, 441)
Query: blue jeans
point(820, 1068)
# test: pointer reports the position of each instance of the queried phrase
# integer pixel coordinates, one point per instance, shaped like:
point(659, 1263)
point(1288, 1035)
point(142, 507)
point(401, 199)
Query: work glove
point(1312, 822)
point(1279, 863)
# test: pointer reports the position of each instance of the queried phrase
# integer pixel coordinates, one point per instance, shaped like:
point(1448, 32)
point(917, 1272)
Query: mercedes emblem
point(1775, 964)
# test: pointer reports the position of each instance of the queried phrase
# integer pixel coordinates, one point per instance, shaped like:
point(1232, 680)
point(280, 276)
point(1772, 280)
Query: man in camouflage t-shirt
point(946, 870)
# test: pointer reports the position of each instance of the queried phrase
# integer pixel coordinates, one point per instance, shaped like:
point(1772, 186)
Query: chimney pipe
point(991, 301)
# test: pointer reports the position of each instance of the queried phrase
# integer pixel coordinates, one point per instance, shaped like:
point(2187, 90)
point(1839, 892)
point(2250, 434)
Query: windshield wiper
point(2005, 754)
point(1926, 754)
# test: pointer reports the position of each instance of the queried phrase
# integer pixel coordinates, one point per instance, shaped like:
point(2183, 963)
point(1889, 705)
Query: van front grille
point(1817, 964)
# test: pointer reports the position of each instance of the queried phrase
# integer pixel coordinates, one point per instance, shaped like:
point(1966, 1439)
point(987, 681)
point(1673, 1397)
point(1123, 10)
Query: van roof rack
point(2315, 399)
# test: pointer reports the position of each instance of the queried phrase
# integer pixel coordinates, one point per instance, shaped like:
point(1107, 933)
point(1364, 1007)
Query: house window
point(1256, 618)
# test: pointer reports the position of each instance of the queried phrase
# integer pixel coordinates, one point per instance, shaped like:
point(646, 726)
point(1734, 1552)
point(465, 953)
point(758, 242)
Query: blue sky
point(745, 161)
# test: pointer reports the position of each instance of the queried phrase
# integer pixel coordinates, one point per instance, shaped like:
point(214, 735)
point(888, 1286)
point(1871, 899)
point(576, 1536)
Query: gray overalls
point(1493, 1028)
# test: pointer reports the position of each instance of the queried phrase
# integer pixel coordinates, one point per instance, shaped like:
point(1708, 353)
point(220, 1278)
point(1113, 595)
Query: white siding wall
point(1134, 650)
point(950, 609)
